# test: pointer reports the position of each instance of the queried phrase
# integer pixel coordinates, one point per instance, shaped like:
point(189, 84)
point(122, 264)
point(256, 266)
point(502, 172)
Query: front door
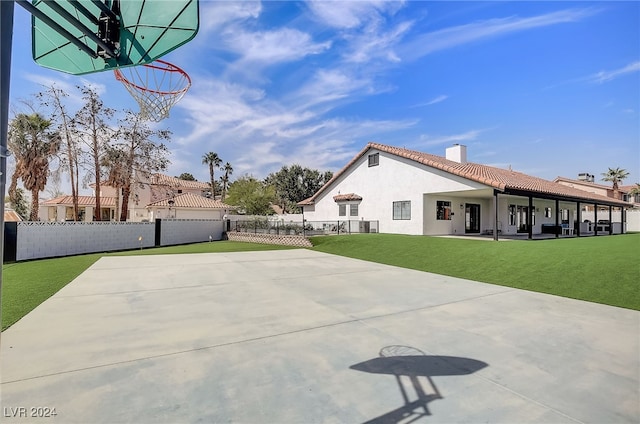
point(472, 218)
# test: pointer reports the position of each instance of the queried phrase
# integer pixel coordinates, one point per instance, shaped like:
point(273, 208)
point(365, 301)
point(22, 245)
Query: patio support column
point(610, 219)
point(531, 214)
point(595, 219)
point(557, 225)
point(579, 218)
point(495, 211)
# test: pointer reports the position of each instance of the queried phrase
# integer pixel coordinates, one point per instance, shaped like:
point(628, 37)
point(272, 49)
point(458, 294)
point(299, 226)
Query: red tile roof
point(190, 201)
point(501, 179)
point(165, 180)
point(346, 197)
point(82, 201)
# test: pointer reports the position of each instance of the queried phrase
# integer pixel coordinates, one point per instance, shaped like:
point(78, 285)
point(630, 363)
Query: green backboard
point(144, 31)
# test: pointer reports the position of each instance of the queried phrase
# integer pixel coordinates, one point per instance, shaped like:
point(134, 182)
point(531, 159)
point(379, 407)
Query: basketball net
point(156, 87)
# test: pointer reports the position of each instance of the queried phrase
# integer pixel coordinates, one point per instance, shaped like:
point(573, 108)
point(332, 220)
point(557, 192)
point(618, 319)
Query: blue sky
point(548, 88)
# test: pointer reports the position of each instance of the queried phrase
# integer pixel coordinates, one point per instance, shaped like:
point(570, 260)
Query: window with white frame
point(402, 209)
point(353, 209)
point(374, 159)
point(443, 210)
point(342, 210)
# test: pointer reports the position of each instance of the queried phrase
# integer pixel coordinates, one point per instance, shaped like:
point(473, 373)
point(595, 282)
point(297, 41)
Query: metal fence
point(308, 228)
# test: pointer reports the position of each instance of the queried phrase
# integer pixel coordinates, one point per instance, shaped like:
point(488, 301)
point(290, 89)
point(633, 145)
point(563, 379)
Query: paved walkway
point(304, 337)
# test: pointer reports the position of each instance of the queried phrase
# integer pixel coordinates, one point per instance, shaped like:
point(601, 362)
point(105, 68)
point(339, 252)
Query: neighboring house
point(61, 208)
point(156, 197)
point(586, 182)
point(188, 206)
point(410, 192)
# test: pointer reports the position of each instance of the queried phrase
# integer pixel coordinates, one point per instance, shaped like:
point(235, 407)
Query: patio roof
point(504, 180)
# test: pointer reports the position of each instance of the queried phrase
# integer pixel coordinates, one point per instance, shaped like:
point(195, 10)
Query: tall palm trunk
point(35, 204)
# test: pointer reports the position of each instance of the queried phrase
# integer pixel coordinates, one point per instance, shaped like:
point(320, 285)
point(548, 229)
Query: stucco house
point(159, 196)
point(410, 192)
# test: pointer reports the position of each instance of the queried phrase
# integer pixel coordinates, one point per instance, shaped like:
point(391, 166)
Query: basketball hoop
point(156, 86)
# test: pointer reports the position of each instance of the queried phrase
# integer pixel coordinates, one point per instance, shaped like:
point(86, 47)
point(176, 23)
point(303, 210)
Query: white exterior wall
point(394, 179)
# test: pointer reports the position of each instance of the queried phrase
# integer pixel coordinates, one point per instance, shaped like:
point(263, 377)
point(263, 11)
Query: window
point(353, 210)
point(402, 210)
point(443, 210)
point(512, 214)
point(374, 159)
point(548, 213)
point(342, 210)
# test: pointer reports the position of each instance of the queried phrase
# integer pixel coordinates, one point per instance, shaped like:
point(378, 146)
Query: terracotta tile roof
point(166, 180)
point(346, 197)
point(11, 216)
point(190, 201)
point(501, 179)
point(82, 201)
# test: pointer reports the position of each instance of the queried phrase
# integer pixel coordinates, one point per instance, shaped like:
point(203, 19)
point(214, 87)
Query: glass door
point(472, 218)
point(522, 219)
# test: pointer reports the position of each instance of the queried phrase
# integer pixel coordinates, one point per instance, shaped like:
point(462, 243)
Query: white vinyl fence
point(33, 240)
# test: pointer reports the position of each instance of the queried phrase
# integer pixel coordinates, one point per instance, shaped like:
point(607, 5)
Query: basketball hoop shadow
point(414, 365)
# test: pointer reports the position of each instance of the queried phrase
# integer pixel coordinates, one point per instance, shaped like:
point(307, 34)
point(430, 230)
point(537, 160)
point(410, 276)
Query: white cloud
point(376, 43)
point(429, 140)
point(463, 34)
point(433, 101)
point(216, 14)
point(604, 76)
point(283, 45)
point(351, 14)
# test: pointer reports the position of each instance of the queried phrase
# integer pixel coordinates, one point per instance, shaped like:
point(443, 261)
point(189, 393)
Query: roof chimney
point(457, 153)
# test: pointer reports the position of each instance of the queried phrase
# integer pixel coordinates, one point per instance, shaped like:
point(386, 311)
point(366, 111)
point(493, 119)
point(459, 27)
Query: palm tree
point(213, 160)
point(228, 170)
point(634, 192)
point(615, 176)
point(32, 144)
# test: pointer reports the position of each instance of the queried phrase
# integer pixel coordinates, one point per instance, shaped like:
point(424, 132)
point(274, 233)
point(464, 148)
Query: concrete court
point(294, 337)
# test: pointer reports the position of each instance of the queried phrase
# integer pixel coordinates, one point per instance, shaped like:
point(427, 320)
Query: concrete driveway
point(304, 337)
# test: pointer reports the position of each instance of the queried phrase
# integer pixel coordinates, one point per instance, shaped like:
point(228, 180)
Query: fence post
point(338, 227)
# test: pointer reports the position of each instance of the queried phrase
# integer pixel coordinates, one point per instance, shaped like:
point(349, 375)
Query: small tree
point(251, 196)
point(20, 203)
point(615, 176)
point(185, 176)
point(295, 183)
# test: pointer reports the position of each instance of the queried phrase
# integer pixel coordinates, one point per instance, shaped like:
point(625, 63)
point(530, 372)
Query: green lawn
point(598, 269)
point(25, 285)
